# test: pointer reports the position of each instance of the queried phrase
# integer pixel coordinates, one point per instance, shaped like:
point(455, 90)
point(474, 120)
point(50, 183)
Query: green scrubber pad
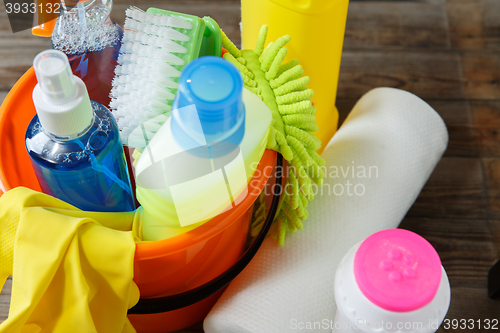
point(284, 90)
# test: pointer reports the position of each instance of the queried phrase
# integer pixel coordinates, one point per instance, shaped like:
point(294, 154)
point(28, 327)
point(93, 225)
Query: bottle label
point(217, 166)
point(88, 172)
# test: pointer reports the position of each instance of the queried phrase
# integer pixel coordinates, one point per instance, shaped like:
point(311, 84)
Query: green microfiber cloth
point(284, 90)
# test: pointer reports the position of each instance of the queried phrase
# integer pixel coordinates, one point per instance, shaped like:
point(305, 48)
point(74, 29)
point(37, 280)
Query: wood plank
point(491, 23)
point(3, 94)
point(387, 25)
point(454, 190)
point(430, 75)
point(399, 1)
point(481, 74)
point(471, 303)
point(486, 122)
point(465, 247)
point(226, 13)
point(457, 116)
point(5, 299)
point(495, 227)
point(445, 51)
point(466, 24)
point(468, 249)
point(17, 60)
point(6, 35)
point(17, 51)
point(491, 168)
point(474, 24)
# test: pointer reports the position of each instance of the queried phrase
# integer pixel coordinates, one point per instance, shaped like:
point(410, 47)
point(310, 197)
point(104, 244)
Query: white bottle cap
point(61, 99)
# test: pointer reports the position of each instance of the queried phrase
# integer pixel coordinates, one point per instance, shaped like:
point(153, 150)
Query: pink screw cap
point(397, 270)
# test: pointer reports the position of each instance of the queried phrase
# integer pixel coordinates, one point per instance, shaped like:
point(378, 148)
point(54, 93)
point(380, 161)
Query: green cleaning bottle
point(200, 161)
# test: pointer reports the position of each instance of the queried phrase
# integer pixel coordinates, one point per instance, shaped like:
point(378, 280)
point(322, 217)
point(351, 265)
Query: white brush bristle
point(144, 85)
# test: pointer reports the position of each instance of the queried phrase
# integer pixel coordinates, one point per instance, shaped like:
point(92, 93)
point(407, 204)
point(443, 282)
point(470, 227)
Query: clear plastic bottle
point(199, 162)
point(74, 143)
point(86, 34)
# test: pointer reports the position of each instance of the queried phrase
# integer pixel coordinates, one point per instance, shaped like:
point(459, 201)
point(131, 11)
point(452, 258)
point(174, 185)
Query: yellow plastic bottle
point(317, 30)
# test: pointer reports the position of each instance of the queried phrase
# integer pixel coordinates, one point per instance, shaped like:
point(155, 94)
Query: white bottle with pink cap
point(393, 281)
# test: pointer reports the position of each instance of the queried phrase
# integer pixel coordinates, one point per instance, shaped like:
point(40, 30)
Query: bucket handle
point(178, 301)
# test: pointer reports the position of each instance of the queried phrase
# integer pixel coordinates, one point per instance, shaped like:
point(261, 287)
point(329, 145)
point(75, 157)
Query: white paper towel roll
point(393, 140)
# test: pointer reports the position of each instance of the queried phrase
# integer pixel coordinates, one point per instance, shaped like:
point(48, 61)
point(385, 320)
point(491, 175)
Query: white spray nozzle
point(54, 75)
point(61, 99)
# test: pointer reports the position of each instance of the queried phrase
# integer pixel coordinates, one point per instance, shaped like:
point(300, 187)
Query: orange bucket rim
point(151, 250)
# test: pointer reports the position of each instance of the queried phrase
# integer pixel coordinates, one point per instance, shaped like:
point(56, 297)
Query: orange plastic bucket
point(161, 268)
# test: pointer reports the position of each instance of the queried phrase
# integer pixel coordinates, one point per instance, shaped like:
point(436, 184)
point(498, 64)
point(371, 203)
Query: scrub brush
point(156, 46)
point(284, 90)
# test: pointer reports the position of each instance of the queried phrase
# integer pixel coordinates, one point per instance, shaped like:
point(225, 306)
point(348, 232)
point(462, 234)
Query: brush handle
point(212, 40)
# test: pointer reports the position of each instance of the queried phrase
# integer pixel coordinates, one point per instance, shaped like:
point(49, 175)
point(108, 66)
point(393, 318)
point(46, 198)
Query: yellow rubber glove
point(71, 271)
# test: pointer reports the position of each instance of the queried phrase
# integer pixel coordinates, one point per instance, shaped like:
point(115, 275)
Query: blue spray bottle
point(74, 143)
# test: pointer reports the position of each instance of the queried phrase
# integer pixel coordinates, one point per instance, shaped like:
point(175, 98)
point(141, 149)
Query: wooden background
point(445, 51)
